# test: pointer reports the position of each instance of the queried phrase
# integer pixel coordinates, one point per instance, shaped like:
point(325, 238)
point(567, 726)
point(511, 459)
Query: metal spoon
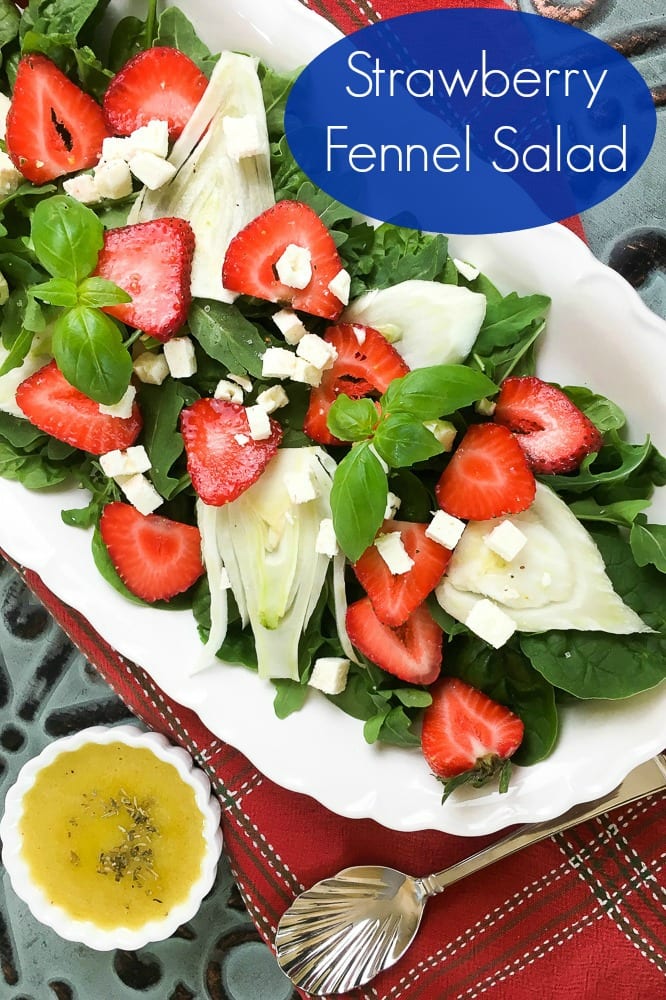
point(345, 930)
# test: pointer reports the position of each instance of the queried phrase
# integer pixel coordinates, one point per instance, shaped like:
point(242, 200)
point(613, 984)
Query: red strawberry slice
point(56, 407)
point(554, 434)
point(53, 127)
point(468, 737)
point(412, 652)
point(366, 363)
point(222, 458)
point(395, 597)
point(152, 262)
point(161, 83)
point(487, 476)
point(249, 264)
point(154, 556)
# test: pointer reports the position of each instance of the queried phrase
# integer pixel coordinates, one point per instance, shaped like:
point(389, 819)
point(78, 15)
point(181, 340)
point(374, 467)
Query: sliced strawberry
point(468, 737)
point(487, 476)
point(366, 363)
point(554, 434)
point(56, 407)
point(53, 127)
point(222, 458)
point(249, 264)
point(154, 556)
point(394, 597)
point(161, 83)
point(152, 262)
point(412, 652)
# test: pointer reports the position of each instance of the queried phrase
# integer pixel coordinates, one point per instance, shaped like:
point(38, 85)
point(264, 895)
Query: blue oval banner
point(470, 121)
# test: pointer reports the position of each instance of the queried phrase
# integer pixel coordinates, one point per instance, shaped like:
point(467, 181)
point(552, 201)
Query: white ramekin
point(86, 932)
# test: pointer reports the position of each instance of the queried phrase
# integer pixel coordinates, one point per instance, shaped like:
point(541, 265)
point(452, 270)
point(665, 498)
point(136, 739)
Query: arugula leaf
point(648, 543)
point(33, 469)
point(17, 352)
point(604, 413)
point(67, 237)
point(89, 350)
point(226, 335)
point(507, 317)
point(176, 30)
point(352, 419)
point(623, 512)
point(613, 464)
point(432, 392)
point(290, 696)
point(161, 407)
point(358, 500)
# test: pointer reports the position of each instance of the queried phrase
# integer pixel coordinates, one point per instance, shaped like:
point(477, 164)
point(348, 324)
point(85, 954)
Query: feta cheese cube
point(392, 506)
point(443, 430)
point(243, 381)
point(329, 674)
point(243, 136)
point(151, 170)
point(273, 398)
point(506, 540)
point(485, 407)
point(392, 550)
point(326, 543)
point(306, 372)
point(112, 179)
point(228, 391)
point(277, 362)
point(490, 623)
point(123, 408)
point(360, 334)
point(125, 463)
point(151, 138)
point(289, 325)
point(317, 351)
point(300, 487)
point(180, 357)
point(241, 439)
point(259, 422)
point(5, 104)
point(340, 286)
point(151, 368)
point(445, 529)
point(467, 270)
point(140, 492)
point(82, 187)
point(10, 177)
point(294, 267)
point(116, 148)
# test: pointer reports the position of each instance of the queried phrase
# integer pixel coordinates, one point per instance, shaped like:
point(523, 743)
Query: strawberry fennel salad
point(328, 439)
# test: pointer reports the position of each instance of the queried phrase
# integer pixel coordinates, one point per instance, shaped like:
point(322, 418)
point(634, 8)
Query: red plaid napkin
point(581, 915)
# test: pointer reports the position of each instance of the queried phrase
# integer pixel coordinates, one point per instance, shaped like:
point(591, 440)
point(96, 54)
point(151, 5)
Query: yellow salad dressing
point(113, 835)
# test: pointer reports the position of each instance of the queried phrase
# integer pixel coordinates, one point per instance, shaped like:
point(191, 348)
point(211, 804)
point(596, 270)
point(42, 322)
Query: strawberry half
point(365, 363)
point(53, 127)
point(222, 458)
point(249, 264)
point(154, 556)
point(412, 652)
point(161, 83)
point(468, 737)
point(56, 407)
point(152, 262)
point(554, 434)
point(395, 597)
point(487, 476)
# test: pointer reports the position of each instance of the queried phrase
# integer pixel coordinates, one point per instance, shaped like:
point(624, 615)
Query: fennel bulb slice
point(215, 191)
point(557, 581)
point(267, 544)
point(427, 322)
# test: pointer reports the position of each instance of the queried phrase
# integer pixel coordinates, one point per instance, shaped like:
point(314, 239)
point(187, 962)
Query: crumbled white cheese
point(340, 286)
point(273, 398)
point(329, 674)
point(116, 148)
point(81, 186)
point(151, 368)
point(243, 136)
point(125, 463)
point(150, 138)
point(289, 325)
point(228, 391)
point(140, 492)
point(392, 550)
point(151, 170)
point(445, 529)
point(294, 267)
point(326, 543)
point(316, 351)
point(180, 357)
point(241, 439)
point(490, 623)
point(259, 423)
point(467, 270)
point(10, 177)
point(277, 362)
point(243, 381)
point(485, 407)
point(300, 487)
point(123, 408)
point(506, 540)
point(443, 430)
point(306, 372)
point(360, 334)
point(392, 506)
point(112, 179)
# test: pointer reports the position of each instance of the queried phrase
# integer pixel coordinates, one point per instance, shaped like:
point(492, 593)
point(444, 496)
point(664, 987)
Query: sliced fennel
point(215, 192)
point(267, 545)
point(557, 581)
point(427, 322)
point(38, 355)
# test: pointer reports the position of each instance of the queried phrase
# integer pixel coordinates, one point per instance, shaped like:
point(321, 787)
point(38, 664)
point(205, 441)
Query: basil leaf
point(89, 351)
point(648, 543)
point(56, 291)
point(67, 237)
point(352, 419)
point(428, 393)
point(226, 335)
point(101, 292)
point(358, 500)
point(402, 441)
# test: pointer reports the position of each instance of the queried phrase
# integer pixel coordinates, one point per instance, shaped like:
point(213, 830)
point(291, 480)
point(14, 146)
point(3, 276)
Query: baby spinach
point(648, 543)
point(226, 335)
point(161, 407)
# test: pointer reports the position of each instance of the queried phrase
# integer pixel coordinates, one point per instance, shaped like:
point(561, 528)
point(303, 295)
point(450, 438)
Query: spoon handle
point(643, 780)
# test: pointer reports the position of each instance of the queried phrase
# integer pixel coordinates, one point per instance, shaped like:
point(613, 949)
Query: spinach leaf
point(34, 470)
point(648, 543)
point(290, 696)
point(9, 22)
point(623, 512)
point(161, 407)
point(174, 29)
point(226, 335)
point(507, 317)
